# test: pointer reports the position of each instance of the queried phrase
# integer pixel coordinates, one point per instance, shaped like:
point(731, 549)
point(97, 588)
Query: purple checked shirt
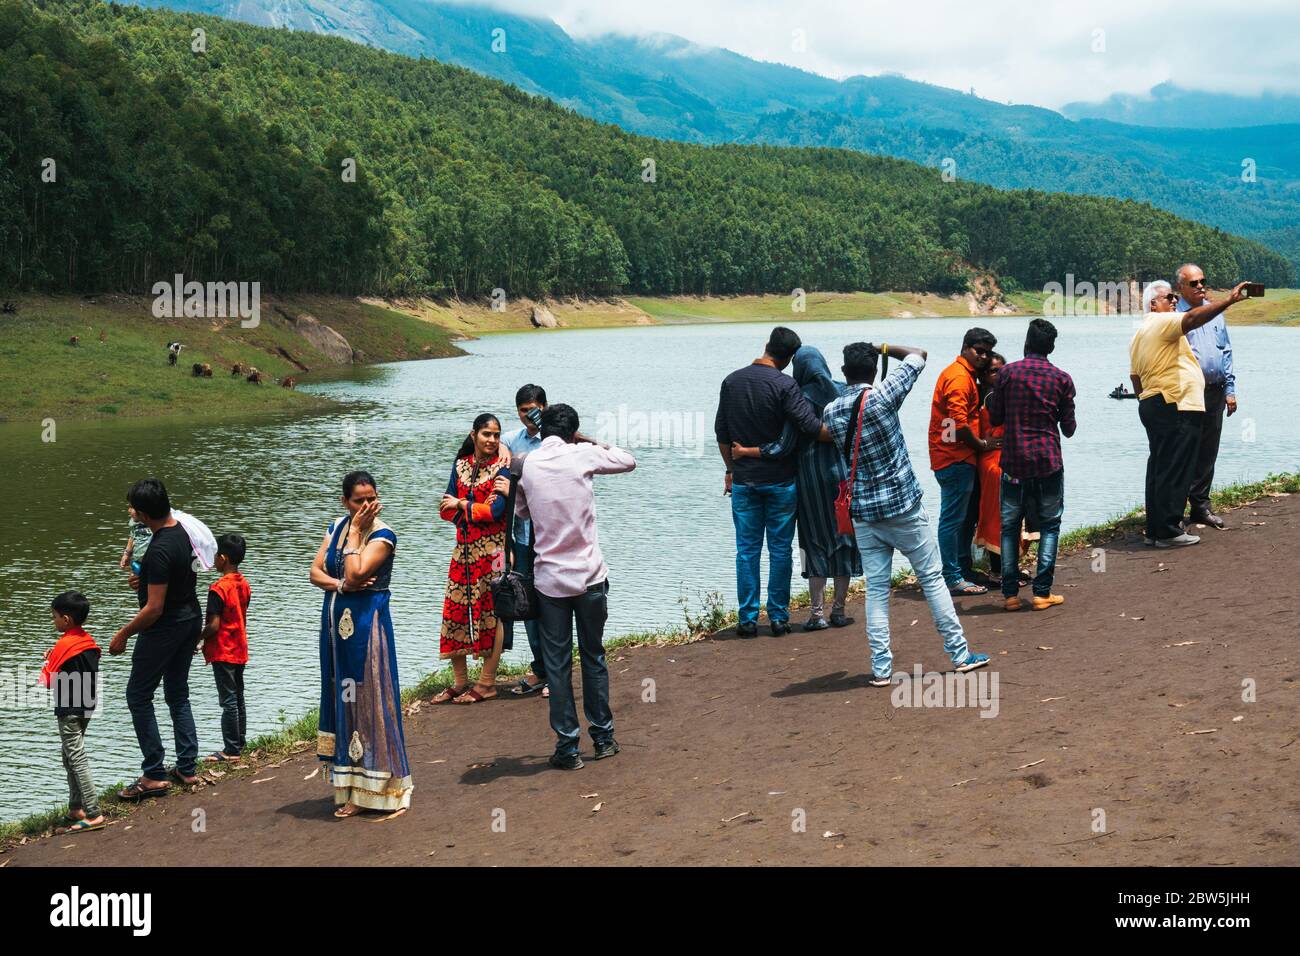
point(1032, 398)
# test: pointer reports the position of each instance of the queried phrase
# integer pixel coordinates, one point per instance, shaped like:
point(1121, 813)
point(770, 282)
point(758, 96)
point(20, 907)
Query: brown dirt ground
point(744, 733)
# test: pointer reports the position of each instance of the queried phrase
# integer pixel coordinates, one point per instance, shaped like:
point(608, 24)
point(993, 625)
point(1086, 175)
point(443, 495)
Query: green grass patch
point(118, 366)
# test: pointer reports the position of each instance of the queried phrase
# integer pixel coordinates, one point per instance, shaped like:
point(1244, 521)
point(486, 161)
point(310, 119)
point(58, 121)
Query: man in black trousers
point(1212, 347)
point(570, 575)
point(168, 624)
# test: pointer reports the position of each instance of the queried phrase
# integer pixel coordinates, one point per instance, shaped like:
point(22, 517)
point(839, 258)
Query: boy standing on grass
point(225, 644)
point(71, 671)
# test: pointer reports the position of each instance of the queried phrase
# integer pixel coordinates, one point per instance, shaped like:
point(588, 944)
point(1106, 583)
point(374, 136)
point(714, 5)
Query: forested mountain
point(665, 86)
point(231, 162)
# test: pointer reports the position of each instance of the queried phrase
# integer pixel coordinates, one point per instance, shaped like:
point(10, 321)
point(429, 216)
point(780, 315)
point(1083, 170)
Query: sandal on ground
point(525, 689)
point(449, 693)
point(968, 588)
point(138, 791)
point(221, 756)
point(184, 781)
point(474, 697)
point(87, 825)
point(348, 810)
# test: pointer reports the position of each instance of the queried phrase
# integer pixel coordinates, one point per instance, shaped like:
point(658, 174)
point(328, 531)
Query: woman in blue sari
point(825, 553)
point(360, 736)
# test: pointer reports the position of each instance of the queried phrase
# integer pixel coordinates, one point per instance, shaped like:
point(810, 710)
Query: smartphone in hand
point(1254, 290)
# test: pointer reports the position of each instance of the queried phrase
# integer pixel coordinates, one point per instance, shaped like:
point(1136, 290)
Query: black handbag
point(513, 595)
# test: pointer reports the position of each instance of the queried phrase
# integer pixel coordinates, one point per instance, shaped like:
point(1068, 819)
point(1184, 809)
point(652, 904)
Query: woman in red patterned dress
point(475, 502)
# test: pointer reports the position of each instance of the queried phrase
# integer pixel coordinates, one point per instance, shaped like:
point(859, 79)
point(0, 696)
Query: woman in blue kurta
point(825, 552)
point(360, 736)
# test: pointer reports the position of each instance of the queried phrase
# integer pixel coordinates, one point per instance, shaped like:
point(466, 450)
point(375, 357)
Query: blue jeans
point(524, 565)
point(1040, 499)
point(955, 485)
point(910, 534)
point(756, 510)
point(590, 609)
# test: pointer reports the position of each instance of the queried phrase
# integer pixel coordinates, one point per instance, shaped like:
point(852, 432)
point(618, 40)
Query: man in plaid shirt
point(886, 508)
point(1033, 398)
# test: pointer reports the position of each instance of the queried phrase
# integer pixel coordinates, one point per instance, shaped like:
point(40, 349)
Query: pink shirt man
point(555, 494)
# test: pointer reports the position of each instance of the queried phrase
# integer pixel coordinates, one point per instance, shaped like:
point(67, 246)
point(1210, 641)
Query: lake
point(665, 528)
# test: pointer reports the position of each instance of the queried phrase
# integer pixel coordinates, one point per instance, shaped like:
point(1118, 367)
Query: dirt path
point(1099, 703)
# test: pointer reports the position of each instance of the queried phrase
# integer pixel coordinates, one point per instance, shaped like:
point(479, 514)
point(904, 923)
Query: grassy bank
point(698, 624)
point(118, 367)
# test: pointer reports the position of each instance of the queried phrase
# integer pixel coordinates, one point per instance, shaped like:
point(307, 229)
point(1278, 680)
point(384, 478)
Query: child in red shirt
point(225, 644)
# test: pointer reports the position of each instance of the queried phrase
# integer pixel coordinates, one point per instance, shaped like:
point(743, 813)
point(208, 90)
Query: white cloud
point(1026, 51)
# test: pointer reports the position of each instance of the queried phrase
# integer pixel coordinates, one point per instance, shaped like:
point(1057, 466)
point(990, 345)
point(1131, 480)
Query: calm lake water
point(665, 528)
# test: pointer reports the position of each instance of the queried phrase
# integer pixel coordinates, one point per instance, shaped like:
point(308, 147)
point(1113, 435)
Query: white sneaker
point(1181, 541)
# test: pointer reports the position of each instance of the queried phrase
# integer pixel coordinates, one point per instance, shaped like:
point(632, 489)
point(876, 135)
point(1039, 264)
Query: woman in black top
point(168, 624)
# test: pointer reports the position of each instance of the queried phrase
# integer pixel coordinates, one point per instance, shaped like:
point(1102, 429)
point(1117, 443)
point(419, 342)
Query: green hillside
point(665, 86)
point(228, 164)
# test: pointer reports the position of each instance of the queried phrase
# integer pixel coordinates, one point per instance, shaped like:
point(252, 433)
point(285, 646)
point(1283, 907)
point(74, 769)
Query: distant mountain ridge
point(666, 86)
point(1170, 105)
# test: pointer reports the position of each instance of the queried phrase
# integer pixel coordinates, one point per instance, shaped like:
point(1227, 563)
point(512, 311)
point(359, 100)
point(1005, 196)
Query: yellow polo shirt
point(1162, 358)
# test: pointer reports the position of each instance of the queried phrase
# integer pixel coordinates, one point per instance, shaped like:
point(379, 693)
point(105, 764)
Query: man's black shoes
point(1207, 518)
point(747, 629)
point(605, 749)
point(566, 762)
point(780, 627)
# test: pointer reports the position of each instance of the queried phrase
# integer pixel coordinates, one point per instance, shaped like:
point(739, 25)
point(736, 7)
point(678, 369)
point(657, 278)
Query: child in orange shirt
point(225, 644)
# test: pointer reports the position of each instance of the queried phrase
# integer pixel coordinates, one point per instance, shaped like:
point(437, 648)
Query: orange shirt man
point(955, 444)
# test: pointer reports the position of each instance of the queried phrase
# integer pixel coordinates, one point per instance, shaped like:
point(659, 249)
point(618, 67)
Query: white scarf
point(201, 539)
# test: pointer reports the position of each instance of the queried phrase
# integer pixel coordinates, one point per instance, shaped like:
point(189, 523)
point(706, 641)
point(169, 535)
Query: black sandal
point(136, 792)
point(525, 689)
point(176, 775)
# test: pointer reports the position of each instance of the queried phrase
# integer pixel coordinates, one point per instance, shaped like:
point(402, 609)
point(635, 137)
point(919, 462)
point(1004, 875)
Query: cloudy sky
point(1026, 51)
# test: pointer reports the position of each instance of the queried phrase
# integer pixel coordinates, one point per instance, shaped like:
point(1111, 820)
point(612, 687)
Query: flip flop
point(968, 588)
point(525, 689)
point(136, 793)
point(87, 825)
point(220, 756)
point(452, 693)
point(474, 697)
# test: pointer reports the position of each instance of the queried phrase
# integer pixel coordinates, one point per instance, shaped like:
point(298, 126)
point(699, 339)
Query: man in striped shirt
point(886, 507)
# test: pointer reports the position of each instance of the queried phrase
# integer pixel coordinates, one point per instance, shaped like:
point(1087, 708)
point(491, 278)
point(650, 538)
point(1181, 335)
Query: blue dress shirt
point(1213, 349)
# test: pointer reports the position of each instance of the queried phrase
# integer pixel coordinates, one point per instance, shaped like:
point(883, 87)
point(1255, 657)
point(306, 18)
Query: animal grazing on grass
point(202, 370)
point(255, 376)
point(289, 382)
point(75, 340)
point(237, 369)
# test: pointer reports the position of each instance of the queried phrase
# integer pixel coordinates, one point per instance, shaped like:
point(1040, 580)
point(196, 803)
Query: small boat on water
point(1119, 391)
